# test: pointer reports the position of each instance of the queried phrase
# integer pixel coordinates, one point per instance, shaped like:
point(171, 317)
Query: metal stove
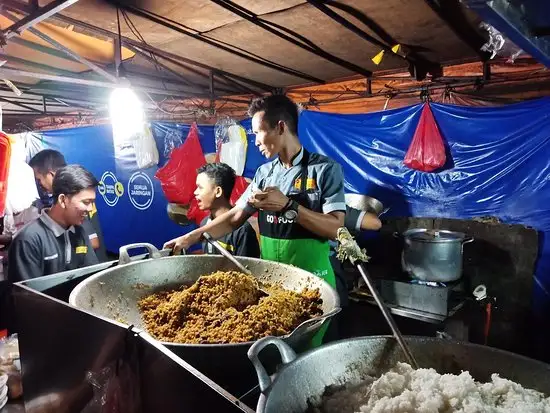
point(432, 302)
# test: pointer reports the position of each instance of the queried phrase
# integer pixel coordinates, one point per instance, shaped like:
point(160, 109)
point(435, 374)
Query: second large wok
point(306, 377)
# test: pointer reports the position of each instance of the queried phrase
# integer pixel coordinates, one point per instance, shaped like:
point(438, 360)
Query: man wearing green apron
point(299, 196)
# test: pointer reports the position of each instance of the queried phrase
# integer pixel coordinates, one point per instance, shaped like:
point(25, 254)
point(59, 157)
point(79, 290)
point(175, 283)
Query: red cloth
point(5, 158)
point(427, 151)
point(178, 177)
point(238, 190)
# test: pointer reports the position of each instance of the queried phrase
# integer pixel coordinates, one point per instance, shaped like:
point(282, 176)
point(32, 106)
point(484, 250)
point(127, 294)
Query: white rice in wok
point(406, 390)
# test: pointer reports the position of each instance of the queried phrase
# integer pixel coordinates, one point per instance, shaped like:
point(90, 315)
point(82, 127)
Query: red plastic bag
point(238, 189)
point(427, 151)
point(178, 177)
point(5, 158)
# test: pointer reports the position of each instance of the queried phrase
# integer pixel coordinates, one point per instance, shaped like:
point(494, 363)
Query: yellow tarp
point(99, 51)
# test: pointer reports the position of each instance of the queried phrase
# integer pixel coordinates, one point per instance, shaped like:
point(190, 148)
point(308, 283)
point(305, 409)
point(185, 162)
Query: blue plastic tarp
point(497, 165)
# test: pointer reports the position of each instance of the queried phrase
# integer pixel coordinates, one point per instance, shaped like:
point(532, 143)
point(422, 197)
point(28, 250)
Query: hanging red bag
point(5, 158)
point(178, 177)
point(240, 186)
point(427, 151)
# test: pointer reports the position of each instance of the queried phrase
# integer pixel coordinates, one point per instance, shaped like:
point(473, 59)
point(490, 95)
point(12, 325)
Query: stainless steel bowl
point(364, 203)
point(178, 213)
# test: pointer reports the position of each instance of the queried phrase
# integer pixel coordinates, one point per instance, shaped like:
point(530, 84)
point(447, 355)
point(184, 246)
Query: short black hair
point(72, 179)
point(276, 108)
point(223, 176)
point(47, 160)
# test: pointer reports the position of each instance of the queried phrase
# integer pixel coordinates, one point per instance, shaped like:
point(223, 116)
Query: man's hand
point(270, 199)
point(183, 242)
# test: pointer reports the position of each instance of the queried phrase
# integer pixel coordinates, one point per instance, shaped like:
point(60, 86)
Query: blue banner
point(131, 204)
point(497, 165)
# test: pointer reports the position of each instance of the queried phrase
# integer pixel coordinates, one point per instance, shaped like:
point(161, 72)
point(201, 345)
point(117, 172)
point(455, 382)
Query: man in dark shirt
point(215, 182)
point(45, 165)
point(56, 241)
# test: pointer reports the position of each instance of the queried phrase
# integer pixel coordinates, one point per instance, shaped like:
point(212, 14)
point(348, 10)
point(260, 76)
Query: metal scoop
point(231, 258)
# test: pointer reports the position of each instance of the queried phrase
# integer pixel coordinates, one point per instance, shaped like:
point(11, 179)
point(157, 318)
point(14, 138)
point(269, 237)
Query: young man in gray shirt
point(56, 241)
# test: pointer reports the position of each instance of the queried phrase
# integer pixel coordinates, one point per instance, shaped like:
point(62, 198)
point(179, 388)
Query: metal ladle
point(231, 258)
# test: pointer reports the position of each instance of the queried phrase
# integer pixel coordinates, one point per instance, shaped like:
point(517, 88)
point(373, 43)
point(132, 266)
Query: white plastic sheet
point(231, 143)
point(147, 154)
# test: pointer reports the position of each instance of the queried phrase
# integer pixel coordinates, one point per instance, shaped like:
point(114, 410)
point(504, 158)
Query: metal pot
point(113, 294)
point(305, 378)
point(433, 255)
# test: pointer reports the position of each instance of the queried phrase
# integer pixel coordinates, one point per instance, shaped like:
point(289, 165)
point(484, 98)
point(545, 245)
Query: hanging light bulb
point(127, 115)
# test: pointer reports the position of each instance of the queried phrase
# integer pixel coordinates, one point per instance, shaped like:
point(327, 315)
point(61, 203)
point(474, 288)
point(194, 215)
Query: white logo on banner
point(140, 190)
point(110, 189)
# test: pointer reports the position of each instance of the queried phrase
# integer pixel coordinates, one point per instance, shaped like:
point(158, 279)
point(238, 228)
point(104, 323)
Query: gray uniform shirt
point(325, 182)
point(43, 247)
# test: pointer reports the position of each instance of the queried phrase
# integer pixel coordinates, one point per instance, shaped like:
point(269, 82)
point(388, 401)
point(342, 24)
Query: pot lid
point(434, 235)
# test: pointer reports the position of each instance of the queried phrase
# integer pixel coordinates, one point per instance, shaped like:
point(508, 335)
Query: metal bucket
point(114, 293)
point(305, 378)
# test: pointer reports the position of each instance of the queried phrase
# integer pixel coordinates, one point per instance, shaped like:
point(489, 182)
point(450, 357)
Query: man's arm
point(357, 220)
point(321, 224)
point(25, 260)
point(222, 225)
point(370, 222)
point(324, 224)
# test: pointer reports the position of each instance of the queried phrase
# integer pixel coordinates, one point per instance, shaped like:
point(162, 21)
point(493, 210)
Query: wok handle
point(467, 240)
point(124, 257)
point(314, 320)
point(287, 356)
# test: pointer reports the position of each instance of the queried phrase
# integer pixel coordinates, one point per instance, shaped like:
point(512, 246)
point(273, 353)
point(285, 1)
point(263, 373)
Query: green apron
point(285, 241)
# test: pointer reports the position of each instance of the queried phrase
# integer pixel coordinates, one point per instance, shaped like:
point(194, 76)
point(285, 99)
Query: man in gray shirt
point(45, 164)
point(56, 241)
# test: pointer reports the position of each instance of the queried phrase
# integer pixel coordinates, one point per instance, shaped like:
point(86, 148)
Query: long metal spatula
point(348, 249)
point(387, 315)
point(231, 258)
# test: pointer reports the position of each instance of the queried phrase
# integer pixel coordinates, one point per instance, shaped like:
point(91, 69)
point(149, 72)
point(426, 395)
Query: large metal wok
point(114, 293)
point(306, 377)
